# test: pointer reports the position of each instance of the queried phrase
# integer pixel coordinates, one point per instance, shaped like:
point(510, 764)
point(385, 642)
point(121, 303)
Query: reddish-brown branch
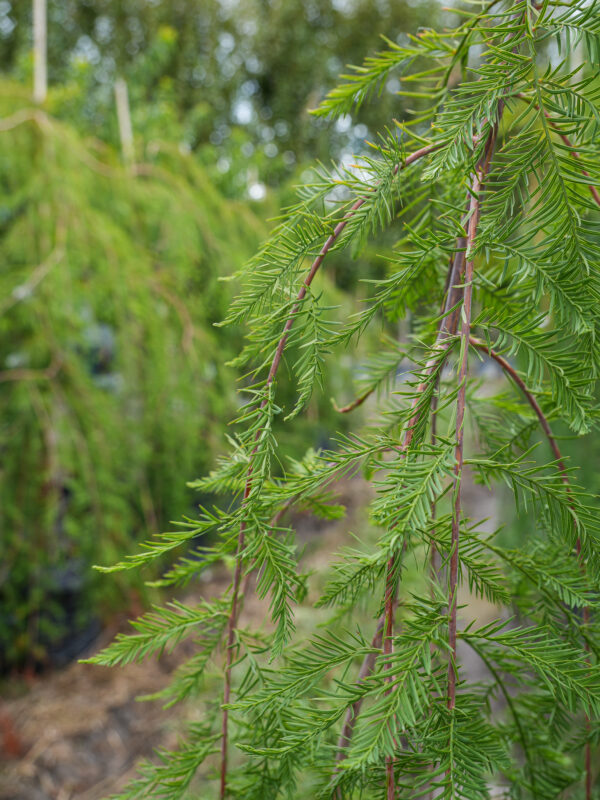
point(465, 330)
point(576, 155)
point(516, 378)
point(388, 633)
point(459, 450)
point(232, 621)
point(433, 556)
point(358, 401)
point(451, 292)
point(588, 766)
point(447, 328)
point(236, 607)
point(424, 151)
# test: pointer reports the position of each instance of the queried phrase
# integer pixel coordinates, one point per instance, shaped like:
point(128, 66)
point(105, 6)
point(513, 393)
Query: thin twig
point(188, 329)
point(25, 374)
point(516, 378)
point(390, 780)
point(24, 290)
point(358, 401)
point(459, 450)
point(24, 115)
point(273, 522)
point(433, 556)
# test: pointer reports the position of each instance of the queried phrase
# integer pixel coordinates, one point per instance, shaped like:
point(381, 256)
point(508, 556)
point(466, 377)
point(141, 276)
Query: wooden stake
point(40, 70)
point(124, 119)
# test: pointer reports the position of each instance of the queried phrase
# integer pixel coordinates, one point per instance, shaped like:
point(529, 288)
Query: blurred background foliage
point(113, 390)
point(231, 80)
point(114, 384)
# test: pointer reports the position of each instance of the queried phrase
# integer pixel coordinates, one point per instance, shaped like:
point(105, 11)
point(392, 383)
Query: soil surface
point(78, 732)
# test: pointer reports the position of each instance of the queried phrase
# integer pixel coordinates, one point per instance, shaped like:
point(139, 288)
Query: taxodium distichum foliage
point(491, 191)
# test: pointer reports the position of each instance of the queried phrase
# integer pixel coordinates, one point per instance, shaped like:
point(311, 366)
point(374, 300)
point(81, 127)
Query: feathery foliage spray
point(492, 191)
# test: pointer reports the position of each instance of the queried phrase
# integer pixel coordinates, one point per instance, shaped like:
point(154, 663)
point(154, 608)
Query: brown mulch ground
point(78, 732)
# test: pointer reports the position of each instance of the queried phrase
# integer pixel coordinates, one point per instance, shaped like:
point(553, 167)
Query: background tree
point(109, 371)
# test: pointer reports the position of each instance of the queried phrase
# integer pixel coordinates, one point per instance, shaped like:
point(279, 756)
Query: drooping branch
point(516, 378)
point(24, 290)
point(388, 632)
point(434, 565)
point(452, 308)
point(232, 621)
point(418, 154)
point(446, 329)
point(465, 329)
point(452, 292)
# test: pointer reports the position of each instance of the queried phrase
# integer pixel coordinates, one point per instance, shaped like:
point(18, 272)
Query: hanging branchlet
point(490, 190)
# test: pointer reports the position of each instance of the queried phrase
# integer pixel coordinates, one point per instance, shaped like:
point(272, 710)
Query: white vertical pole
point(40, 74)
point(124, 119)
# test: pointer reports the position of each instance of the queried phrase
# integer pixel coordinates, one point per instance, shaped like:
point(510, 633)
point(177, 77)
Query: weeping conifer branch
point(497, 238)
point(339, 228)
